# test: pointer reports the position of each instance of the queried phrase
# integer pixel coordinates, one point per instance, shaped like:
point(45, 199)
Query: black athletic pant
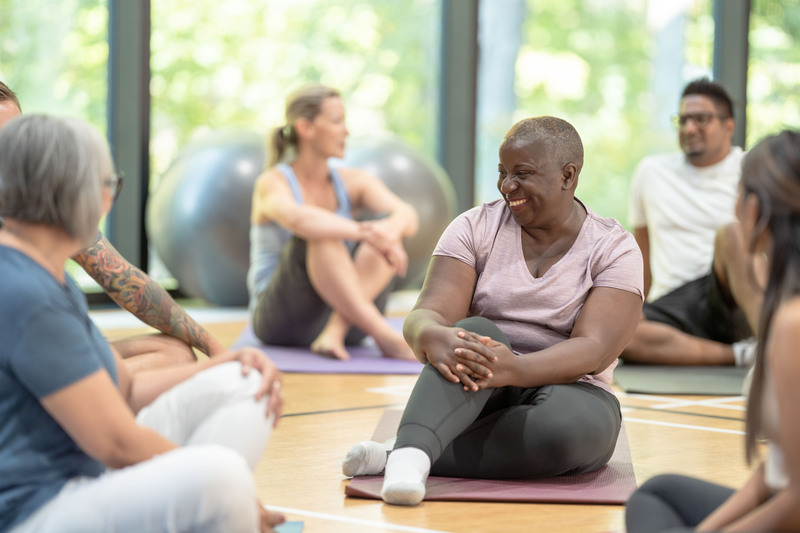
point(672, 503)
point(289, 312)
point(509, 432)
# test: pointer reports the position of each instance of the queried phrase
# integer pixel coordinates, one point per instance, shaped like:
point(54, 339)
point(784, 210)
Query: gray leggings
point(509, 432)
point(289, 312)
point(672, 503)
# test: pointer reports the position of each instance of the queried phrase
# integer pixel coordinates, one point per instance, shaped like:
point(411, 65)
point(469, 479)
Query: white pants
point(206, 486)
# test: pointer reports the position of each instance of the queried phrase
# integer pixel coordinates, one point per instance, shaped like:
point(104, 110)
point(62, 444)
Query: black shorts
point(701, 308)
point(289, 312)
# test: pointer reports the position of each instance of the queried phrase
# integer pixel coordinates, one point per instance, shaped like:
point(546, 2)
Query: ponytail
point(281, 139)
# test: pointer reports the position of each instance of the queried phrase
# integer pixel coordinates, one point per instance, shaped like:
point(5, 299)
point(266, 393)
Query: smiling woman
point(514, 328)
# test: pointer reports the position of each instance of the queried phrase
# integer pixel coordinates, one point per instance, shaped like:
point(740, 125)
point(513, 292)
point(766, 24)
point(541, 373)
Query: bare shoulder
point(356, 177)
point(784, 337)
point(270, 177)
point(786, 321)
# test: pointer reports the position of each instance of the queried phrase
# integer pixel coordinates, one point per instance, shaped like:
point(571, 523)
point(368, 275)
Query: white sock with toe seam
point(406, 472)
point(367, 458)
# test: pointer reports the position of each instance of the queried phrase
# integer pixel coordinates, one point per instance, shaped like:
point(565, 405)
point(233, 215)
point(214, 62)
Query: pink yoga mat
point(612, 484)
point(364, 358)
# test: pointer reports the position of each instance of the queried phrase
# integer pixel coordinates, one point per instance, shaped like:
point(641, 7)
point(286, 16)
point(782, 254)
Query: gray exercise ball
point(418, 180)
point(198, 218)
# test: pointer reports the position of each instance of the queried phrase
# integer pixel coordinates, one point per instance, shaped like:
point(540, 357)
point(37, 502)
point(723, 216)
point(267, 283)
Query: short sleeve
point(621, 266)
point(458, 239)
point(54, 351)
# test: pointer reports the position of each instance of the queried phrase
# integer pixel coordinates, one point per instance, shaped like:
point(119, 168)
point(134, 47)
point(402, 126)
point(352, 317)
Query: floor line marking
point(344, 410)
point(701, 403)
point(359, 521)
point(628, 408)
point(683, 426)
point(392, 390)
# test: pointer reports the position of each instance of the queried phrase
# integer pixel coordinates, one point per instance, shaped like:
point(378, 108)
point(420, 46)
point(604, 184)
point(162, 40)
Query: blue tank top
point(267, 240)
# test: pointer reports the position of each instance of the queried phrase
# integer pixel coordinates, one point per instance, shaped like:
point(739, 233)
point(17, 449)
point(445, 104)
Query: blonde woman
point(315, 272)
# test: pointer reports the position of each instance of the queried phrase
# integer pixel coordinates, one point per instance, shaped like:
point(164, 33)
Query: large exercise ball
point(198, 218)
point(419, 181)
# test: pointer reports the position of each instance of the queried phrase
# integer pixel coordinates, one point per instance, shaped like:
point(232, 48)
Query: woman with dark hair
point(315, 272)
point(85, 445)
point(768, 210)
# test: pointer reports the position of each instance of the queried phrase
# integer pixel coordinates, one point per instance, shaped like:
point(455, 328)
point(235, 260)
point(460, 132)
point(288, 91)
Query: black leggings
point(289, 312)
point(509, 432)
point(672, 503)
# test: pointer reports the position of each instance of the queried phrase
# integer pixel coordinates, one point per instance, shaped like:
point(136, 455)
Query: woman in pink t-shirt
point(527, 303)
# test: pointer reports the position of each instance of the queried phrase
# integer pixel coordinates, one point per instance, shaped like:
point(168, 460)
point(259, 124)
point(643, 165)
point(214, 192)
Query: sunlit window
point(614, 69)
point(231, 64)
point(773, 80)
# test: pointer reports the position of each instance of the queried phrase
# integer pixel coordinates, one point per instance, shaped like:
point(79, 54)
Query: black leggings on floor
point(509, 432)
point(672, 503)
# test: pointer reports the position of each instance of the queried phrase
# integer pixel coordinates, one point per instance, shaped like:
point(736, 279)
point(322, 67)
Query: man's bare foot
point(325, 344)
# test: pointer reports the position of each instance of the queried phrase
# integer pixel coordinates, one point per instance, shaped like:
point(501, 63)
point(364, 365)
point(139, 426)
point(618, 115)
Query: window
point(231, 64)
point(773, 79)
point(613, 69)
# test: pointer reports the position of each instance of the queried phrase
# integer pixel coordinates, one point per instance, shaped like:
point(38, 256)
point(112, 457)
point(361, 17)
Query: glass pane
point(231, 64)
point(773, 79)
point(54, 55)
point(614, 69)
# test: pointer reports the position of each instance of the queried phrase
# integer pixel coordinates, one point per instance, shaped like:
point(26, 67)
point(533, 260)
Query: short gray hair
point(51, 171)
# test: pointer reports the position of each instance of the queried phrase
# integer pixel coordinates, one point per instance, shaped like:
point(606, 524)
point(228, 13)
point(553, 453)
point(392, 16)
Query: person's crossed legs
point(708, 321)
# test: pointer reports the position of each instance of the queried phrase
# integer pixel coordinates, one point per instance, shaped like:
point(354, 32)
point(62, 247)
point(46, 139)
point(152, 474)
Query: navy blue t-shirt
point(47, 342)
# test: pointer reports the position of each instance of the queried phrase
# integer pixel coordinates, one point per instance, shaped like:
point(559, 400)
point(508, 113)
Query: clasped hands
point(475, 361)
point(387, 239)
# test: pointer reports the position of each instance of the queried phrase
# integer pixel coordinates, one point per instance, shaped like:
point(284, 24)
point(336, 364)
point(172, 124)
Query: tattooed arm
point(136, 292)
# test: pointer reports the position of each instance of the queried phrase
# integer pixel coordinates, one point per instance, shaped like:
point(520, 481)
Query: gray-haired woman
point(84, 445)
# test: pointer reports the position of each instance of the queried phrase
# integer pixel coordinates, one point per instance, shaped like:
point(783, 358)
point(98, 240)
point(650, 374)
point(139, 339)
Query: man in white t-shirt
point(701, 306)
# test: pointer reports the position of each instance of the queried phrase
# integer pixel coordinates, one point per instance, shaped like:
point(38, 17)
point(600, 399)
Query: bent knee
point(224, 486)
point(228, 379)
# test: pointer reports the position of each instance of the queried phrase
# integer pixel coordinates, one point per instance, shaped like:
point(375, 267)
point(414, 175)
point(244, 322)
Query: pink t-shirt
point(536, 313)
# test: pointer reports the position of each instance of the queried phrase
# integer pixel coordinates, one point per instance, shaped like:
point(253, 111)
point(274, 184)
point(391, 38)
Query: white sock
point(744, 352)
point(367, 458)
point(406, 472)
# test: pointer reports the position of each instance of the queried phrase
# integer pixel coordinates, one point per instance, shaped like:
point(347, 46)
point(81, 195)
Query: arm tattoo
point(137, 293)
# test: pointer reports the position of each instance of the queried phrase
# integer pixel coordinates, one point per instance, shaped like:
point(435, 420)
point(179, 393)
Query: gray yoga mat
point(696, 380)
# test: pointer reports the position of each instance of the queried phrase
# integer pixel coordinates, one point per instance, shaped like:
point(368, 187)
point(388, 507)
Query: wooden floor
point(300, 473)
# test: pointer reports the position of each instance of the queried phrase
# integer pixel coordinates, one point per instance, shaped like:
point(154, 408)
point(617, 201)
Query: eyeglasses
point(701, 120)
point(114, 182)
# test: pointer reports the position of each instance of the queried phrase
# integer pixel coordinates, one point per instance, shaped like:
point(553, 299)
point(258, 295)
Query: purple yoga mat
point(364, 358)
point(612, 484)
